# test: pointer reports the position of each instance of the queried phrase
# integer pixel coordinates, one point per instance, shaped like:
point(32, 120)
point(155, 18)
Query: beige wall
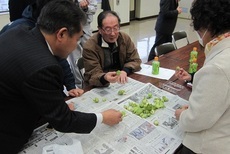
point(147, 8)
point(122, 8)
point(4, 19)
point(132, 5)
point(185, 5)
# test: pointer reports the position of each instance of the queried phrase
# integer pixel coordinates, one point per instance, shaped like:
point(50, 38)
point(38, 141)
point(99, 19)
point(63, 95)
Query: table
point(179, 57)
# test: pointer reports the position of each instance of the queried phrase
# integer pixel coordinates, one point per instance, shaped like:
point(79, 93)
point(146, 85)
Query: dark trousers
point(160, 39)
point(184, 150)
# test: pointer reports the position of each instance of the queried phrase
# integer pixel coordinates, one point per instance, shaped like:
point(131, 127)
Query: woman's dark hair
point(61, 13)
point(104, 14)
point(213, 15)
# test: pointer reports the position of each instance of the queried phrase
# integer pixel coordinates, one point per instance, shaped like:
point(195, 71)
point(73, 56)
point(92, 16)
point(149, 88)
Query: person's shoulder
point(23, 22)
point(124, 36)
point(92, 40)
point(95, 35)
point(5, 28)
point(14, 32)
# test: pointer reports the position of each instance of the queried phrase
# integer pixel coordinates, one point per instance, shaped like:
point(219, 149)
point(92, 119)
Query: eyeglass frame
point(109, 30)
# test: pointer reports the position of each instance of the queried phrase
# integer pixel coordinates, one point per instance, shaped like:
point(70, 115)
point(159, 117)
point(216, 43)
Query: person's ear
point(99, 30)
point(62, 33)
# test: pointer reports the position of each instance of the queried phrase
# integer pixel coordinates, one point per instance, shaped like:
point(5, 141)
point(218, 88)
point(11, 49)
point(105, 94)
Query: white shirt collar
point(105, 44)
point(49, 48)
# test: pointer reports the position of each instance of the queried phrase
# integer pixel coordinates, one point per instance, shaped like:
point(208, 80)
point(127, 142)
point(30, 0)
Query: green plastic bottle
point(193, 66)
point(193, 54)
point(155, 66)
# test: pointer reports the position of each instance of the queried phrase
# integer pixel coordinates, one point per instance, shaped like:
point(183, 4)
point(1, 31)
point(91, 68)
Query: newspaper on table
point(134, 135)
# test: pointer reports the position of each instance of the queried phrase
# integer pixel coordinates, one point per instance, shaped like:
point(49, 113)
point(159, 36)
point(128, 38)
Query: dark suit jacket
point(30, 88)
point(167, 18)
point(105, 6)
point(29, 19)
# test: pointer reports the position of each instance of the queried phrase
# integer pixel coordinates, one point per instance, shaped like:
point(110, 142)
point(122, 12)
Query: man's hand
point(111, 77)
point(122, 78)
point(179, 111)
point(111, 117)
point(71, 106)
point(76, 92)
point(179, 10)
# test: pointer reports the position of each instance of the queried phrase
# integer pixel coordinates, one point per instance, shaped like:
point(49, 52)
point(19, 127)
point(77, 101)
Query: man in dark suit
point(31, 78)
point(29, 18)
point(166, 23)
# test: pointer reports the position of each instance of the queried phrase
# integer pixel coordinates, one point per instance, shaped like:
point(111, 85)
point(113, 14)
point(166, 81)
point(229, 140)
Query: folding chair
point(164, 48)
point(179, 35)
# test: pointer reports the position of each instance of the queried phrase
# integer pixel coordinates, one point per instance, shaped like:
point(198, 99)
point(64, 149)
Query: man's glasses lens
point(110, 30)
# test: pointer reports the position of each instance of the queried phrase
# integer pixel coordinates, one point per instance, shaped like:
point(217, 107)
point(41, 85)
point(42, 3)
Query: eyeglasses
point(109, 30)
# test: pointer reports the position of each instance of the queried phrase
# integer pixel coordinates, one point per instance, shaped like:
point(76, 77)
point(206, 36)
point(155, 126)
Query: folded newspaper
point(134, 135)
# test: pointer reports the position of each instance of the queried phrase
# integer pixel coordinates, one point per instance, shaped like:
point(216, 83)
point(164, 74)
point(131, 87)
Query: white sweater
point(207, 120)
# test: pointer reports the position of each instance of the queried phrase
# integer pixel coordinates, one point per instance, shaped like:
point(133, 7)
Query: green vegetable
point(150, 95)
point(123, 114)
point(178, 68)
point(145, 109)
point(95, 100)
point(156, 122)
point(144, 116)
point(138, 110)
point(130, 108)
point(121, 92)
point(104, 99)
point(165, 99)
point(149, 107)
point(118, 72)
point(159, 103)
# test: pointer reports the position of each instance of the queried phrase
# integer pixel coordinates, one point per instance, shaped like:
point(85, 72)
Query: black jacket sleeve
point(44, 90)
point(68, 80)
point(168, 8)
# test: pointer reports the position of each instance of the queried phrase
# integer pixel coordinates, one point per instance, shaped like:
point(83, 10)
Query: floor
point(143, 34)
